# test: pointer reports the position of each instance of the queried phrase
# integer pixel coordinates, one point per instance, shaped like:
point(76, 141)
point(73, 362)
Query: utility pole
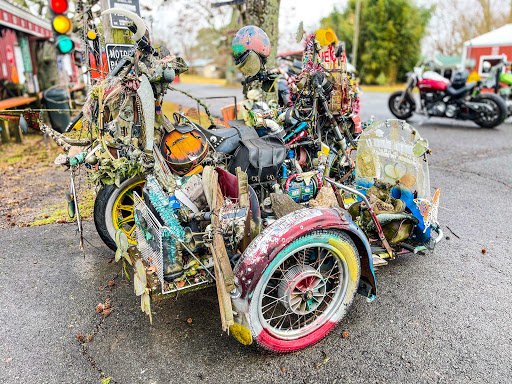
point(111, 35)
point(355, 41)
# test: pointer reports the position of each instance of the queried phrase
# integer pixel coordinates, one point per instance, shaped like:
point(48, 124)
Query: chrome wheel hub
point(302, 289)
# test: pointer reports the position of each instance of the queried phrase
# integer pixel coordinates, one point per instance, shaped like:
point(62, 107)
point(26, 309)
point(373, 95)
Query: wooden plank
point(218, 240)
point(226, 311)
point(16, 102)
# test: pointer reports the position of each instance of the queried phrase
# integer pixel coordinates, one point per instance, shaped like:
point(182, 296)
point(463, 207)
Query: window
point(492, 59)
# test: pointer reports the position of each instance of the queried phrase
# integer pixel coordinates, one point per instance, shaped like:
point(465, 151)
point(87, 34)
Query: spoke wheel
point(305, 291)
point(123, 209)
point(113, 210)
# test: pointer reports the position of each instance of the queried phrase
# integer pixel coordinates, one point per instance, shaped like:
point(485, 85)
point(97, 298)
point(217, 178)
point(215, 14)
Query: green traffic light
point(65, 45)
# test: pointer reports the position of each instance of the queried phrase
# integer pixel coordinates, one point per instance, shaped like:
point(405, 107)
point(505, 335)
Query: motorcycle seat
point(452, 91)
point(224, 140)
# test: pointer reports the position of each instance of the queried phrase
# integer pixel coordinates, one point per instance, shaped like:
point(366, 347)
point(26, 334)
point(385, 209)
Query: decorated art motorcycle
point(441, 98)
point(499, 79)
point(286, 260)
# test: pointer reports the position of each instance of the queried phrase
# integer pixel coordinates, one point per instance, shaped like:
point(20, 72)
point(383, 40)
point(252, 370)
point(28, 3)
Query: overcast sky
point(166, 18)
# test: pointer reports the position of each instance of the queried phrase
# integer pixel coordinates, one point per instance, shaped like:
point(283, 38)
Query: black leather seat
point(458, 92)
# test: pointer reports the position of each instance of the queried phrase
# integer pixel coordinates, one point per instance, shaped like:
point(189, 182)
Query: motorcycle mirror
point(300, 32)
point(137, 21)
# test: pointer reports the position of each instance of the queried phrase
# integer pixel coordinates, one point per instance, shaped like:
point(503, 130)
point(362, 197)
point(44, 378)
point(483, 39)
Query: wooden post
point(5, 131)
point(14, 125)
point(112, 35)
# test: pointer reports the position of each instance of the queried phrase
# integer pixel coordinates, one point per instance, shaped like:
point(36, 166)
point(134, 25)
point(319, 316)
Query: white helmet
point(486, 66)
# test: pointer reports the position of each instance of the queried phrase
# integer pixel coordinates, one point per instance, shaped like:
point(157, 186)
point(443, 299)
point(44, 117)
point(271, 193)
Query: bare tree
point(457, 21)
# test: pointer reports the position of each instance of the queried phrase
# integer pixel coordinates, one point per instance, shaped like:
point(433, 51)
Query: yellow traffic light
point(62, 24)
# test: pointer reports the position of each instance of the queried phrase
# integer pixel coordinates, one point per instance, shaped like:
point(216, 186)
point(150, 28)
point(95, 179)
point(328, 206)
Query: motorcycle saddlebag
point(260, 158)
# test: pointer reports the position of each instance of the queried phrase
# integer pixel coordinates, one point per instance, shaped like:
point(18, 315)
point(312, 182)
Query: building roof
point(499, 36)
point(449, 61)
point(20, 18)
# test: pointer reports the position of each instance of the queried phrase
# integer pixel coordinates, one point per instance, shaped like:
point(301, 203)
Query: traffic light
point(62, 26)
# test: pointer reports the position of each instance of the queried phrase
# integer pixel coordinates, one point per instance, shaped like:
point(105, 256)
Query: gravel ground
point(443, 317)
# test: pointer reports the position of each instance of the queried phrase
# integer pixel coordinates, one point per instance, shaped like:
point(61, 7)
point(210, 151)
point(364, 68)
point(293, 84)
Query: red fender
point(264, 248)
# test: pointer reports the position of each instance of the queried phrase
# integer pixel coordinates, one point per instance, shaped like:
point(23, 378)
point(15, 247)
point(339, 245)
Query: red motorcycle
point(441, 98)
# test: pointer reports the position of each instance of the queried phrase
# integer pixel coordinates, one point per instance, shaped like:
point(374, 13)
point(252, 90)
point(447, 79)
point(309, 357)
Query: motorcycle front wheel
point(113, 210)
point(305, 291)
point(401, 109)
point(498, 111)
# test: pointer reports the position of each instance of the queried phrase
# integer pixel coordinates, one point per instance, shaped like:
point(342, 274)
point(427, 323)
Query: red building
point(19, 30)
point(491, 47)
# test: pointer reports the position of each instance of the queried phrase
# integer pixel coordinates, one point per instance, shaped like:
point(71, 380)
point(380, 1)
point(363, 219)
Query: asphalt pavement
point(443, 317)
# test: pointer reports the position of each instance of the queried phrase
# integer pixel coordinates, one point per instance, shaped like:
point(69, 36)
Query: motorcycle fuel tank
point(432, 81)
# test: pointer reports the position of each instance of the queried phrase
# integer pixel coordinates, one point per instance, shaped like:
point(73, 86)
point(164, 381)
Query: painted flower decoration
point(398, 172)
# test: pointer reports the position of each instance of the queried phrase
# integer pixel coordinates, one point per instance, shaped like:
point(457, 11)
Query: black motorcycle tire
point(499, 104)
point(407, 100)
point(103, 209)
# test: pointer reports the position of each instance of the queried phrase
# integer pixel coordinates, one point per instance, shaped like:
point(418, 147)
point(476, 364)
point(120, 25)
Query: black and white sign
point(115, 53)
point(118, 21)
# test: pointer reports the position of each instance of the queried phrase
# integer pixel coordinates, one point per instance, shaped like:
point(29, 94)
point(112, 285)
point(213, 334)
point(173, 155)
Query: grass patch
point(196, 79)
point(58, 213)
point(31, 153)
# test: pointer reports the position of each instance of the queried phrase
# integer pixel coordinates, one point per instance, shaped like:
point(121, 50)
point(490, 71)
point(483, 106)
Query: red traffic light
point(59, 6)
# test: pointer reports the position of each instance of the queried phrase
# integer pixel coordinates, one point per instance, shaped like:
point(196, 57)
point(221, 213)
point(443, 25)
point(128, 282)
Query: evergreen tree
point(389, 38)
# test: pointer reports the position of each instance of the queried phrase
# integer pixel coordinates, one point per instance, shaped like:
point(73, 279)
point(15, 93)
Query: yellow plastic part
point(241, 333)
point(326, 36)
point(118, 207)
point(91, 35)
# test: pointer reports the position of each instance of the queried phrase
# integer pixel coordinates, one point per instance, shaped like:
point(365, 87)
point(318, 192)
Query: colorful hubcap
point(122, 211)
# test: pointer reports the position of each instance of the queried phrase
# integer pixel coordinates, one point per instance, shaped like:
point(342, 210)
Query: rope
point(196, 99)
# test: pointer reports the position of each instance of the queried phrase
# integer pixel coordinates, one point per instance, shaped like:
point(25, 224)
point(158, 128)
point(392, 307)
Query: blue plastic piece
point(284, 171)
point(175, 203)
point(299, 128)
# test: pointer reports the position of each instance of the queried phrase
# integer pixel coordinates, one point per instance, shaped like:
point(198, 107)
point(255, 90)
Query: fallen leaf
point(180, 284)
point(106, 312)
point(107, 306)
point(345, 335)
point(323, 362)
point(100, 307)
point(89, 338)
point(111, 283)
point(283, 369)
point(80, 337)
point(189, 320)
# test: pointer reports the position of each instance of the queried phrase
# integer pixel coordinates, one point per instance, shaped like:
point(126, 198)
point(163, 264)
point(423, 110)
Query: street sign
point(115, 52)
point(118, 21)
